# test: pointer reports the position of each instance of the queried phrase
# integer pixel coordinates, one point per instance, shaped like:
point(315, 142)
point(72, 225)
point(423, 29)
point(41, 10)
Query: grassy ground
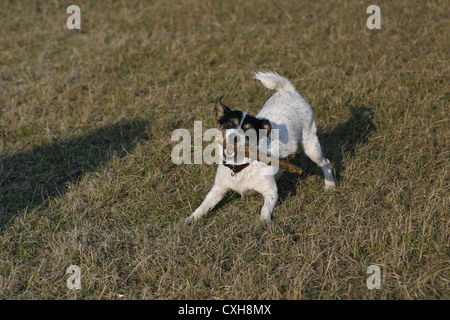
point(85, 172)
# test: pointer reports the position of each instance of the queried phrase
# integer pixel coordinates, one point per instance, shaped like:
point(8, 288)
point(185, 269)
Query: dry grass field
point(86, 176)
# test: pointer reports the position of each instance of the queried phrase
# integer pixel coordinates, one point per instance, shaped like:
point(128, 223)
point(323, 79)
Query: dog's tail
point(274, 81)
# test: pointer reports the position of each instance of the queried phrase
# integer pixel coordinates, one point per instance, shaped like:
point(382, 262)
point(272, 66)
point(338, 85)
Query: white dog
point(288, 113)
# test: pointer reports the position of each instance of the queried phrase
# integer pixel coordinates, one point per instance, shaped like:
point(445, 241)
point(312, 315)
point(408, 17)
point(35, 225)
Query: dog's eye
point(229, 124)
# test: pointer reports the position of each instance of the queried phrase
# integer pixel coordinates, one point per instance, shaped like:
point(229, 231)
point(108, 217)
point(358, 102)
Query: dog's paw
point(189, 219)
point(265, 220)
point(329, 187)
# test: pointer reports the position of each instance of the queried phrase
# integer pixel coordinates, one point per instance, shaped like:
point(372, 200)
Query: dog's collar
point(236, 168)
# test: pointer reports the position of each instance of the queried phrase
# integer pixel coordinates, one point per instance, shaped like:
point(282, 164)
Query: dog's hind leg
point(213, 197)
point(313, 150)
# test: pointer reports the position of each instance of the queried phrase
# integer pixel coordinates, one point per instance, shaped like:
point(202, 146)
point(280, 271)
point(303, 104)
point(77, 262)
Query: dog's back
point(287, 111)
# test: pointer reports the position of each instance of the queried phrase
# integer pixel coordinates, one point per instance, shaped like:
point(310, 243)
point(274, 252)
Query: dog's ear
point(220, 109)
point(266, 125)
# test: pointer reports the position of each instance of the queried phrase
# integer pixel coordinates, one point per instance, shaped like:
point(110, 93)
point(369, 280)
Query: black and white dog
point(286, 111)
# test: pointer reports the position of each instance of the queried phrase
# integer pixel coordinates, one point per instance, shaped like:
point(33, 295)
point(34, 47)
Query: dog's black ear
point(266, 125)
point(221, 110)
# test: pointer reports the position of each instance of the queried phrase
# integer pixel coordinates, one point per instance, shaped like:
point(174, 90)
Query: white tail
point(274, 81)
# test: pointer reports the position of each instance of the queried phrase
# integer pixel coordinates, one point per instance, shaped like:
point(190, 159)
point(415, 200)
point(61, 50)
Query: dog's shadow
point(336, 143)
point(28, 179)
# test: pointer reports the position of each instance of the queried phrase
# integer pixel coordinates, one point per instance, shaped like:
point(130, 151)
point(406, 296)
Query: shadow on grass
point(28, 179)
point(336, 143)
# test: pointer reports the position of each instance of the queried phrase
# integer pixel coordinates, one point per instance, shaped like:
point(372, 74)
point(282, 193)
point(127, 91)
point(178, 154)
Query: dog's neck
point(235, 168)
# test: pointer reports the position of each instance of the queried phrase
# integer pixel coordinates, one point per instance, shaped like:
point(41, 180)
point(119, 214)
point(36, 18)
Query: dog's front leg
point(270, 194)
point(270, 201)
point(213, 197)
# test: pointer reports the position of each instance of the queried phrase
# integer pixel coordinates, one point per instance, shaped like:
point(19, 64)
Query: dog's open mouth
point(234, 152)
point(228, 152)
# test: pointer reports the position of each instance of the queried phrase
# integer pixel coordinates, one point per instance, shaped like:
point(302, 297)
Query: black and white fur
point(289, 113)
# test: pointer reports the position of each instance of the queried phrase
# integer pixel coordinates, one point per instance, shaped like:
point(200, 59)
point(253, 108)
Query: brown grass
point(85, 172)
